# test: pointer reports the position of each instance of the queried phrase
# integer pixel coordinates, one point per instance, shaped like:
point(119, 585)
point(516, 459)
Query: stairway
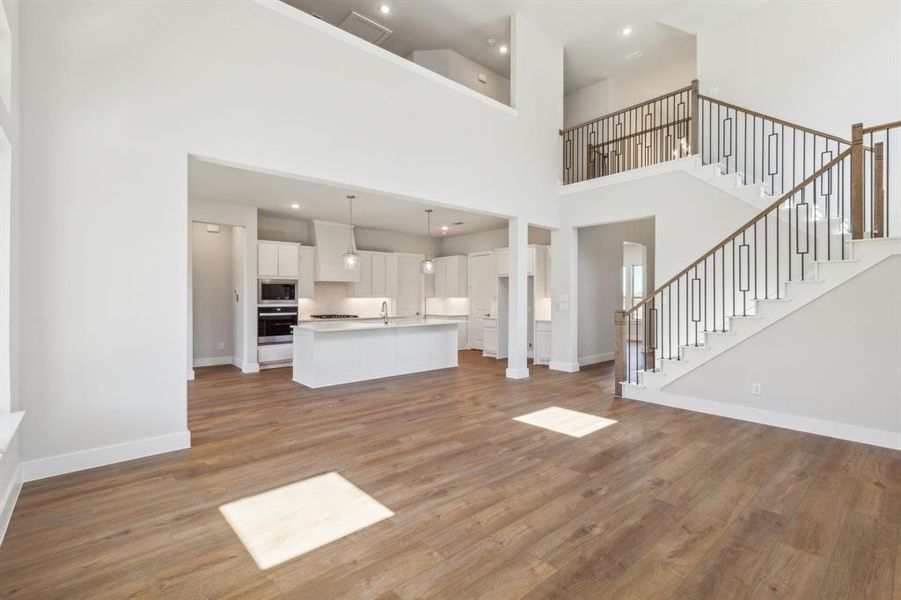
point(761, 313)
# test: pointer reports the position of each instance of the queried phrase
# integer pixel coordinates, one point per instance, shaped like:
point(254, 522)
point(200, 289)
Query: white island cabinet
point(334, 353)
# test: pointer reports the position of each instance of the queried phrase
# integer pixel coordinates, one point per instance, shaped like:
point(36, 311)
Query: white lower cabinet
point(542, 349)
point(489, 337)
point(275, 353)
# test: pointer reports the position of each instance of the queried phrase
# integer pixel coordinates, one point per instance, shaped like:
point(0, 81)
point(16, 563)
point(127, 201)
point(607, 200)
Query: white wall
point(690, 217)
point(600, 282)
point(652, 80)
point(587, 103)
point(843, 366)
point(377, 240)
point(10, 473)
point(487, 240)
point(116, 95)
point(794, 72)
point(643, 82)
point(212, 293)
point(464, 71)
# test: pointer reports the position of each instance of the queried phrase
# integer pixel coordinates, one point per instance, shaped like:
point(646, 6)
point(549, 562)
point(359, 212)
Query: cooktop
point(334, 316)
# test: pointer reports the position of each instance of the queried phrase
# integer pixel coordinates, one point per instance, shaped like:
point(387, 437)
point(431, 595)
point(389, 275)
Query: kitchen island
point(332, 353)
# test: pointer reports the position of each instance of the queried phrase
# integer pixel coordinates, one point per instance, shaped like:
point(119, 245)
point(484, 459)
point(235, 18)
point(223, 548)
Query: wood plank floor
point(664, 504)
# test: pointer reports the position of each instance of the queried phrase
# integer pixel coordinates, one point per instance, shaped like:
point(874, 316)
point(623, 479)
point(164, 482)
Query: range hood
point(331, 243)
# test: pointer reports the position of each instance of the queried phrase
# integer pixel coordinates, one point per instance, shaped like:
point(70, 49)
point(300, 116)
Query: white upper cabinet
point(503, 261)
point(374, 276)
point(278, 259)
point(306, 268)
point(267, 259)
point(450, 278)
point(288, 260)
point(379, 268)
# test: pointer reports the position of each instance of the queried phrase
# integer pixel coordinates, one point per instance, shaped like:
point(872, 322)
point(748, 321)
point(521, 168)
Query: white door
point(409, 286)
point(288, 258)
point(267, 259)
point(481, 273)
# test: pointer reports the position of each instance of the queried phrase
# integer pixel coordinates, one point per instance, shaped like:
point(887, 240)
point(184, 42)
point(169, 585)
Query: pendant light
point(428, 264)
point(350, 259)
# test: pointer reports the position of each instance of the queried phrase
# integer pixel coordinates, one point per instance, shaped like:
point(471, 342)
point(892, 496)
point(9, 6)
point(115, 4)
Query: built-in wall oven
point(277, 291)
point(274, 324)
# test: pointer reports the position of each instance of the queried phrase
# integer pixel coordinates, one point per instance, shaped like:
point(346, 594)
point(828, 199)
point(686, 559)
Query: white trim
point(8, 504)
point(520, 373)
point(9, 424)
point(212, 361)
point(689, 163)
point(566, 367)
point(106, 455)
point(235, 361)
point(190, 376)
point(360, 44)
point(249, 368)
point(835, 429)
point(277, 365)
point(593, 359)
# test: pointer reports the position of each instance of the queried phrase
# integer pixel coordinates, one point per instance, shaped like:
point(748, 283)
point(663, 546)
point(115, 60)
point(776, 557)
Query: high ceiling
point(274, 195)
point(589, 29)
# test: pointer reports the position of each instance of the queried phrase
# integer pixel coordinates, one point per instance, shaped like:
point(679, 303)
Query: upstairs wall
point(115, 95)
point(824, 65)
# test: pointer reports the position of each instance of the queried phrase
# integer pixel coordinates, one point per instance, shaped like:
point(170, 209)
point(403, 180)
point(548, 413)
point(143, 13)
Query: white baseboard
point(106, 455)
point(566, 367)
point(593, 359)
point(521, 373)
point(190, 374)
point(842, 431)
point(250, 368)
point(236, 361)
point(212, 361)
point(8, 500)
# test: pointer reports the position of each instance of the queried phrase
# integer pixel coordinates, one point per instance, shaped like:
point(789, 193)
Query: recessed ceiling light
point(295, 206)
point(627, 31)
point(385, 9)
point(444, 228)
point(503, 49)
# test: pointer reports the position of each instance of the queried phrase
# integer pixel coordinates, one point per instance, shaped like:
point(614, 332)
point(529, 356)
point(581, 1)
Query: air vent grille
point(365, 28)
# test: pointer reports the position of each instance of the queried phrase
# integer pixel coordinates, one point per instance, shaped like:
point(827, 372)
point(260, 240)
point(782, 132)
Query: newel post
point(857, 181)
point(619, 352)
point(694, 145)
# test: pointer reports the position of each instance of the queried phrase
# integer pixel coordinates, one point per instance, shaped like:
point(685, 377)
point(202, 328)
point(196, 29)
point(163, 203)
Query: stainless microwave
point(277, 291)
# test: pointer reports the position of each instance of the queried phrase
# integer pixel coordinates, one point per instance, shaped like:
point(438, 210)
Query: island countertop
point(336, 326)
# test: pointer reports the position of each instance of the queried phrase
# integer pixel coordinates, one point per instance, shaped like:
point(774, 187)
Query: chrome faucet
point(384, 311)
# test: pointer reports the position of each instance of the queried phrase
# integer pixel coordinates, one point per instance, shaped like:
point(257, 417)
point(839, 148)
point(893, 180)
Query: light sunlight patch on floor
point(563, 420)
point(286, 522)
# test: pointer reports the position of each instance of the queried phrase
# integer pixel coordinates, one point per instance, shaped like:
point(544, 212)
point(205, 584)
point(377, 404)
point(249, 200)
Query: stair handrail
point(744, 227)
point(621, 111)
point(761, 115)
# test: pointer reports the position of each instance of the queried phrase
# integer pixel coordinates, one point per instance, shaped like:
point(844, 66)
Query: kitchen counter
point(357, 325)
point(335, 352)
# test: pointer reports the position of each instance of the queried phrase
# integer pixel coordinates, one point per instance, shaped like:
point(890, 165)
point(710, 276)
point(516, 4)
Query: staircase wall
point(832, 366)
point(690, 217)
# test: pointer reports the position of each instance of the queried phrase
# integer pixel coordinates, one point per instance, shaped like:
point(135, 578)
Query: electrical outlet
point(222, 345)
point(755, 389)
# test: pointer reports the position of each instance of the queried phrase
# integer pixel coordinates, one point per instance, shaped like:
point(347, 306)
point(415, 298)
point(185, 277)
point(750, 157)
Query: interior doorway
point(218, 302)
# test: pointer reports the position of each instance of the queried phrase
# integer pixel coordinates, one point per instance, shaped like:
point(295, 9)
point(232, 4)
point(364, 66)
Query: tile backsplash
point(334, 298)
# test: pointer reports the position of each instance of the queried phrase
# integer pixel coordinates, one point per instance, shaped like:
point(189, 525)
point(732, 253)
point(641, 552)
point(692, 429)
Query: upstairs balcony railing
point(763, 149)
point(648, 133)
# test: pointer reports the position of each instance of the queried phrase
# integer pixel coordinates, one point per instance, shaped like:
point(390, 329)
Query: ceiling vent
point(364, 27)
